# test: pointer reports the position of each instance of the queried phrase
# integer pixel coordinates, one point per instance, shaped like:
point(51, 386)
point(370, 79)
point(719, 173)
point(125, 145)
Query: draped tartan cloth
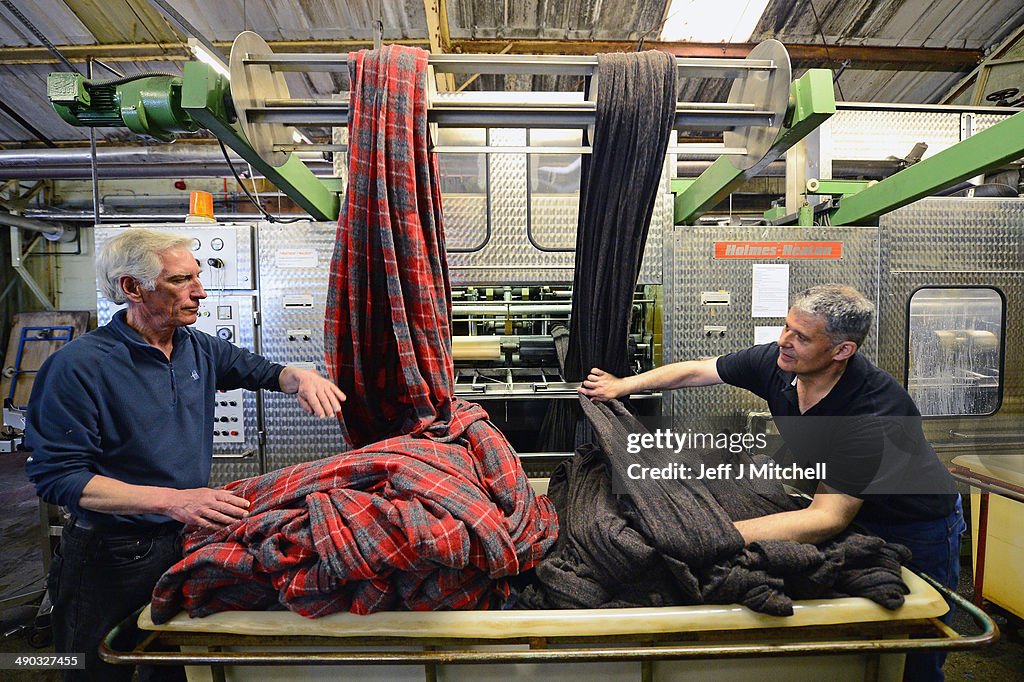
point(387, 332)
point(432, 509)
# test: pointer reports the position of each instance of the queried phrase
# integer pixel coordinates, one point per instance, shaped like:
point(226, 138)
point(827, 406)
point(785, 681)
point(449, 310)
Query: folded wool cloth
point(410, 523)
point(686, 549)
point(598, 559)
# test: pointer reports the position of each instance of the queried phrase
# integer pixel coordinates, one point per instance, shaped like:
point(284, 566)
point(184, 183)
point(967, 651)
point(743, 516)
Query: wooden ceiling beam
point(859, 56)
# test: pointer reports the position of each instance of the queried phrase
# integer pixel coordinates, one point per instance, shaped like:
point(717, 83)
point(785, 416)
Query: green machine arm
point(812, 102)
point(163, 106)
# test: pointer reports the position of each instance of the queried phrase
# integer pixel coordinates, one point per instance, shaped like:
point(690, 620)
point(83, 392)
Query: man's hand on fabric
point(600, 385)
point(317, 395)
point(202, 507)
point(205, 507)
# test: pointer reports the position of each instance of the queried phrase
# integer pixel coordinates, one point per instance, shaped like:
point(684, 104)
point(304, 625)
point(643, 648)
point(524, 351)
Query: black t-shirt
point(867, 431)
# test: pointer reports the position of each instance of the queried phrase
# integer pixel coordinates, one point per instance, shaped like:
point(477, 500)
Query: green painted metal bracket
point(991, 148)
point(680, 185)
point(838, 188)
point(203, 96)
point(812, 101)
point(776, 213)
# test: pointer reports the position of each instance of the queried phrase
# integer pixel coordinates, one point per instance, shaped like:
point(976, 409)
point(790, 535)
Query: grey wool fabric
point(673, 542)
point(636, 107)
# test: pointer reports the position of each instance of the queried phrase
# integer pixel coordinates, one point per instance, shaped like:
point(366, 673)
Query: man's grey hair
point(847, 312)
point(136, 253)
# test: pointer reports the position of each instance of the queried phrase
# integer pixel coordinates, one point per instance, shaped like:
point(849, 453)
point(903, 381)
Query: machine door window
point(955, 350)
point(554, 188)
point(464, 187)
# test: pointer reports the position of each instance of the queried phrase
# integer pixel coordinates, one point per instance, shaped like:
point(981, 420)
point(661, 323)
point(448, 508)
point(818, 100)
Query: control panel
point(224, 251)
point(217, 253)
point(220, 315)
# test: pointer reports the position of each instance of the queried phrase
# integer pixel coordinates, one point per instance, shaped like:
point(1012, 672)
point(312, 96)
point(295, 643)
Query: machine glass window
point(555, 188)
point(464, 184)
point(955, 349)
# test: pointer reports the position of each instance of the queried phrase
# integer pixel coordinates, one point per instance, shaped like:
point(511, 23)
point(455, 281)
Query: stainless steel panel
point(956, 243)
point(690, 269)
point(237, 252)
point(294, 264)
point(943, 234)
point(872, 135)
point(553, 220)
point(509, 257)
point(465, 221)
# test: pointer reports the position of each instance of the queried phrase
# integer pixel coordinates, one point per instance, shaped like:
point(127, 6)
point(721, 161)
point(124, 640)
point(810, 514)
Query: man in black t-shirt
point(831, 405)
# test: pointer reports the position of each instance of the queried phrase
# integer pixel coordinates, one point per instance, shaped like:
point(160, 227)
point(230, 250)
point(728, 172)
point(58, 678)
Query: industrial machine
point(945, 274)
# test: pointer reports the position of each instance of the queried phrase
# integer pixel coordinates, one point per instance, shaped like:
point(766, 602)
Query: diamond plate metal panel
point(955, 234)
point(983, 121)
point(553, 220)
point(690, 268)
point(509, 257)
point(294, 264)
point(945, 242)
point(898, 289)
point(232, 461)
point(871, 135)
point(465, 221)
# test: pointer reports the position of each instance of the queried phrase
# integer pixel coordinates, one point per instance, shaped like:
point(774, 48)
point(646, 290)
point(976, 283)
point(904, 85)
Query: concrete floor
point(21, 570)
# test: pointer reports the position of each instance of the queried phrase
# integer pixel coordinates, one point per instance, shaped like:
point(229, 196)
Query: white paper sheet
point(770, 297)
point(766, 334)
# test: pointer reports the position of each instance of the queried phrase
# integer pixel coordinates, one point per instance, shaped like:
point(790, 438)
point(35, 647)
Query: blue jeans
point(935, 545)
point(97, 579)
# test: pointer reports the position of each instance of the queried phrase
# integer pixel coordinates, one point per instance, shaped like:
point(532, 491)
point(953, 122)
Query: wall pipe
point(52, 232)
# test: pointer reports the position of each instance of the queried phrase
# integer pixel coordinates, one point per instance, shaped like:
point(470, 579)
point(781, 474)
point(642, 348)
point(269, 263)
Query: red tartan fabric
point(387, 333)
point(410, 523)
point(441, 513)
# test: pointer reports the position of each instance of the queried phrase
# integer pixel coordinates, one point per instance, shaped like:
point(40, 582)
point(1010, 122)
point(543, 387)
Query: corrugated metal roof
point(555, 19)
point(975, 24)
point(954, 24)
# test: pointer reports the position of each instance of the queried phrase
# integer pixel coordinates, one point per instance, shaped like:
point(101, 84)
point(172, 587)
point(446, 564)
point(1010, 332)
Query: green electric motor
point(148, 104)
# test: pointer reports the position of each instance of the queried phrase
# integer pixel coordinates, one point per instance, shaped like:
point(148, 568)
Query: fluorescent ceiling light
point(712, 21)
point(207, 57)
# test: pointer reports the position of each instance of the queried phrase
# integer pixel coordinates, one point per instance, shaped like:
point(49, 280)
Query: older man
point(881, 472)
point(120, 425)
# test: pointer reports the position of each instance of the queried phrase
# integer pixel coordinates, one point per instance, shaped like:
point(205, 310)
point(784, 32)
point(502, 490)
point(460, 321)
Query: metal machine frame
point(253, 113)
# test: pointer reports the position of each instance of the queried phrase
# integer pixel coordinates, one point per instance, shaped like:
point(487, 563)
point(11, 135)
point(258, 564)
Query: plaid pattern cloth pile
point(410, 523)
point(433, 510)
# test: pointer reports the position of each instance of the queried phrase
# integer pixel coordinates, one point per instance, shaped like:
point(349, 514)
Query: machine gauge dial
point(196, 244)
point(216, 243)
